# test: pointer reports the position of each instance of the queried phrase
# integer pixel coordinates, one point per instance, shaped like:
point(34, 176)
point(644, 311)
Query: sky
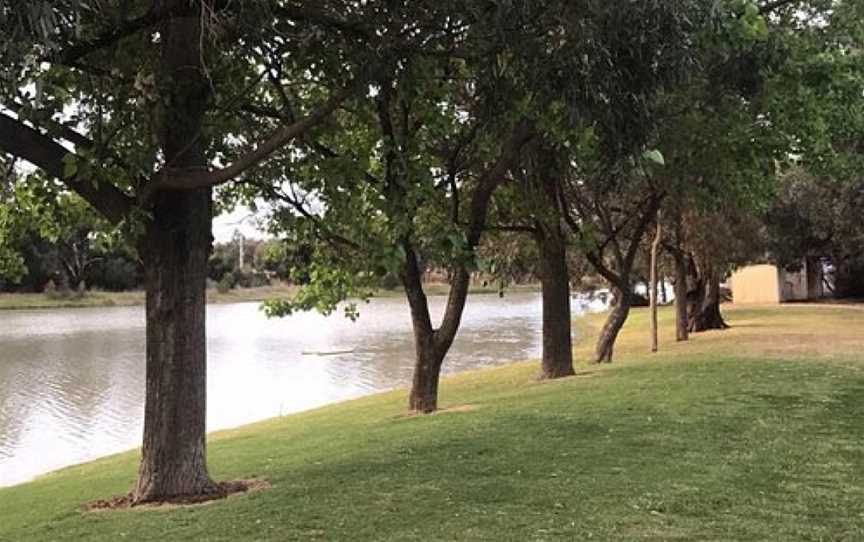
point(240, 218)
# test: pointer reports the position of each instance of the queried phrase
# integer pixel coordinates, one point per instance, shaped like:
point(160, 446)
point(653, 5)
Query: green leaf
point(70, 166)
point(654, 156)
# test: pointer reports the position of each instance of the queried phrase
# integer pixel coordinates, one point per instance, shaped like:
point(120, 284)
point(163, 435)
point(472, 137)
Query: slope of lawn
point(754, 433)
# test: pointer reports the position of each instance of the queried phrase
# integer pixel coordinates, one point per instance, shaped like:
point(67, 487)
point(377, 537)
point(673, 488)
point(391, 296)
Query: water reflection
point(72, 381)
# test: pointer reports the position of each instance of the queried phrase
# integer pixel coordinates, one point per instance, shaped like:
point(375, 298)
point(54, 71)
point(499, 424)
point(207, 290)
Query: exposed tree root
point(220, 490)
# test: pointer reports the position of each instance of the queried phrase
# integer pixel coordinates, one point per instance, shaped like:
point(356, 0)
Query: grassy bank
point(753, 433)
point(240, 295)
point(124, 299)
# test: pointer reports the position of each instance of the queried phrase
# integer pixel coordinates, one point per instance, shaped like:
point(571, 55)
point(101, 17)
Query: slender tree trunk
point(652, 290)
point(175, 249)
point(664, 297)
point(681, 320)
point(614, 323)
point(557, 359)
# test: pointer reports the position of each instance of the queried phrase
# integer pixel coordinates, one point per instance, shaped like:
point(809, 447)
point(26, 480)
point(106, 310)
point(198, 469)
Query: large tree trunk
point(557, 359)
point(176, 247)
point(706, 314)
point(681, 321)
point(614, 323)
point(175, 251)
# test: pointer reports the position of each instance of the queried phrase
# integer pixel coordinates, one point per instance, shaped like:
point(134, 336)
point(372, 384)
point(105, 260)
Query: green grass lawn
point(754, 433)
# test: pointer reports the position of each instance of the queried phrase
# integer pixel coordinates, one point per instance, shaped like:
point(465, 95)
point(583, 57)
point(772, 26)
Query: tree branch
point(22, 141)
point(771, 6)
point(190, 179)
point(156, 14)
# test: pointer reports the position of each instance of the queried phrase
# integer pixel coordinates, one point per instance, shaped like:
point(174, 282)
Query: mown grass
point(753, 433)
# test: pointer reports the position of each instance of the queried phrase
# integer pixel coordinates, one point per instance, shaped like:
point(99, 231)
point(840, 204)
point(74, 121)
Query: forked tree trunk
point(557, 359)
point(430, 345)
point(612, 326)
point(176, 247)
point(706, 314)
point(681, 321)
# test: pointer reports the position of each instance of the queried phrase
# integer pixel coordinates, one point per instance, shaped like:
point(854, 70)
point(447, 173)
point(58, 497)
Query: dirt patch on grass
point(444, 410)
point(577, 375)
point(221, 490)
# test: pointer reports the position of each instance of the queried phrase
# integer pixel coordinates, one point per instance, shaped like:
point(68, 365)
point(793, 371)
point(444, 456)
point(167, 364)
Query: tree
point(529, 206)
point(11, 262)
point(721, 152)
point(610, 215)
point(424, 159)
point(150, 85)
point(817, 219)
point(539, 173)
point(444, 132)
point(823, 117)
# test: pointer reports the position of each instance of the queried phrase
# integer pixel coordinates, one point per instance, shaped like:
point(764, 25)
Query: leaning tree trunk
point(681, 321)
point(557, 359)
point(614, 323)
point(707, 314)
point(175, 249)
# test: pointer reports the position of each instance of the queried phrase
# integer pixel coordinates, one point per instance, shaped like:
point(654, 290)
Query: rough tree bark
point(614, 322)
point(557, 358)
point(681, 320)
point(175, 249)
point(705, 311)
point(703, 302)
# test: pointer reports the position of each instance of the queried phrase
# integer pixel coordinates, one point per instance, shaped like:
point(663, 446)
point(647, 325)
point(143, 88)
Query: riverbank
point(752, 433)
point(240, 295)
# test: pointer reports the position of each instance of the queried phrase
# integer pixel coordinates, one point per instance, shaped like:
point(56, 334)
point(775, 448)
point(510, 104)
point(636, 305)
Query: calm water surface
point(72, 380)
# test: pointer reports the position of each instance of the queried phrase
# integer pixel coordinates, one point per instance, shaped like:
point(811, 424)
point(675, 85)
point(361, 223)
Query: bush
point(390, 281)
point(249, 279)
point(53, 292)
point(226, 283)
point(115, 274)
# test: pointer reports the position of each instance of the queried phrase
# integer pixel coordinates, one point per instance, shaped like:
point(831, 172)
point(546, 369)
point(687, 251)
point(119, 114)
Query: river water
point(72, 380)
